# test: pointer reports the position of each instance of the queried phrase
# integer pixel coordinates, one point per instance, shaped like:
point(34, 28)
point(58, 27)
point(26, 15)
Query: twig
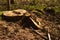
point(39, 34)
point(38, 26)
point(49, 36)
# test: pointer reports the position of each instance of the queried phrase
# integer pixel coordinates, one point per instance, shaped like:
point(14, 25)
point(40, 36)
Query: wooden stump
point(9, 16)
point(14, 15)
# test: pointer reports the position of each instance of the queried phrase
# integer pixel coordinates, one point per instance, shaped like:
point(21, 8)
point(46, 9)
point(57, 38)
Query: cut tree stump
point(14, 15)
point(17, 15)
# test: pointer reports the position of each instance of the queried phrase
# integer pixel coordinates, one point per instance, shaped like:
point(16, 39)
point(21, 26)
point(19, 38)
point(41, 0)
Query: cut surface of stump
point(9, 13)
point(21, 12)
point(14, 15)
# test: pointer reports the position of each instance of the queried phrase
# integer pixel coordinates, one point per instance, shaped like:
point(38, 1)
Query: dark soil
point(16, 31)
point(13, 31)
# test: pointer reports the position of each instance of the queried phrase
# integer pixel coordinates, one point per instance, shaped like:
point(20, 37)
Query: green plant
point(0, 15)
point(57, 8)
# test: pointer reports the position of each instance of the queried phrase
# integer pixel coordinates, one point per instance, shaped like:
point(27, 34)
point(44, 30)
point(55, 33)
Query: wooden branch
point(35, 23)
point(49, 36)
point(41, 34)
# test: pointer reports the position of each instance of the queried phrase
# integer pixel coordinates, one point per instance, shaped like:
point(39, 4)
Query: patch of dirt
point(14, 31)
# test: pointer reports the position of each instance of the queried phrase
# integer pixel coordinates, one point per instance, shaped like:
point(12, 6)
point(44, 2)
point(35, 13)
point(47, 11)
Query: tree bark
point(8, 4)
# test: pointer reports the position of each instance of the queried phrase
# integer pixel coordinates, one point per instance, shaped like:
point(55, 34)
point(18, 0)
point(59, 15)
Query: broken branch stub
point(36, 24)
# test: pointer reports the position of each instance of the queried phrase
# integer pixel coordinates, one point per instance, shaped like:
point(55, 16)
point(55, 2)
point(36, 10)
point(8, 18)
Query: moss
point(0, 12)
point(57, 8)
point(0, 15)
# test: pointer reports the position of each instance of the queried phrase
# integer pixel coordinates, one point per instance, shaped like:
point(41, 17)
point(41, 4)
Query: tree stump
point(14, 15)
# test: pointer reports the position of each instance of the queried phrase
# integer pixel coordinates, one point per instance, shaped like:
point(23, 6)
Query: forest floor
point(14, 31)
